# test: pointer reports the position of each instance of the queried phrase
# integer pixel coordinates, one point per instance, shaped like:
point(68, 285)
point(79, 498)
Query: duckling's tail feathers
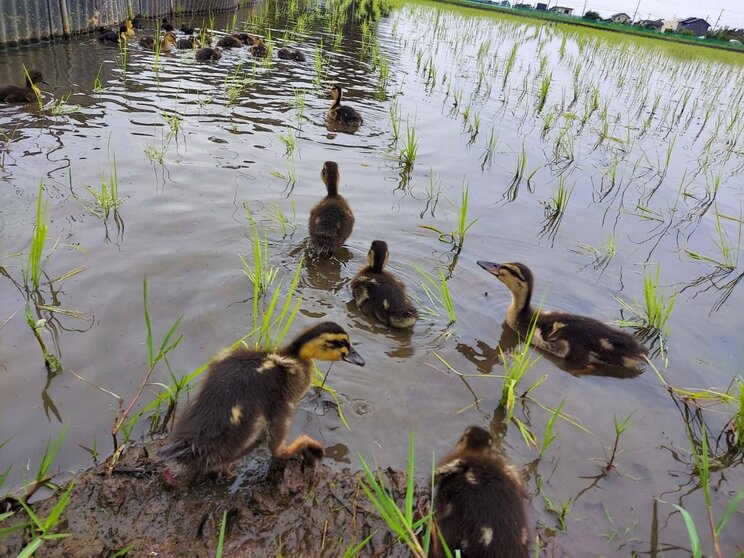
point(404, 318)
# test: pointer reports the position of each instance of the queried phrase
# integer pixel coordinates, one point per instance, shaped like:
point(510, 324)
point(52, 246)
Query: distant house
point(622, 17)
point(542, 6)
point(697, 25)
point(505, 3)
point(670, 25)
point(561, 10)
point(655, 24)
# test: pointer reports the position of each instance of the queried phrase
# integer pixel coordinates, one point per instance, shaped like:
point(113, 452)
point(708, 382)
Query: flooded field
point(611, 166)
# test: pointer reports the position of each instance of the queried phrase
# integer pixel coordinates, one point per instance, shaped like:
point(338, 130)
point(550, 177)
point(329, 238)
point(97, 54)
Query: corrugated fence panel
point(25, 21)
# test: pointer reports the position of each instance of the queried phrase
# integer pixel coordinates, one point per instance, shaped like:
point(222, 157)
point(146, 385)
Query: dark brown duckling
point(381, 294)
point(113, 37)
point(245, 38)
point(331, 220)
point(229, 41)
point(290, 54)
point(341, 114)
point(580, 340)
point(188, 43)
point(186, 30)
point(250, 395)
point(166, 25)
point(13, 94)
point(137, 21)
point(208, 53)
point(259, 48)
point(479, 501)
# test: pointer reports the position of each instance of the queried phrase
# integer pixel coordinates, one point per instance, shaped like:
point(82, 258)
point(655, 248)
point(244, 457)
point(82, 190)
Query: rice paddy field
point(612, 166)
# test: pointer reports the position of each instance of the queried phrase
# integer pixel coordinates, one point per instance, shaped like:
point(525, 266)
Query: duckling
point(578, 339)
point(130, 27)
point(137, 21)
point(166, 25)
point(186, 30)
point(188, 43)
point(478, 501)
point(259, 48)
point(288, 54)
point(13, 94)
point(208, 53)
point(331, 220)
point(342, 114)
point(245, 38)
point(111, 36)
point(381, 294)
point(229, 41)
point(250, 395)
point(167, 44)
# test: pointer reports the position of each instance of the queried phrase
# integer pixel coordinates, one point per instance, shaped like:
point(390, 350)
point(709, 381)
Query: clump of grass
point(456, 236)
point(407, 156)
point(42, 529)
point(438, 296)
point(33, 269)
point(414, 532)
point(549, 437)
point(729, 253)
point(290, 141)
point(621, 425)
point(259, 273)
point(106, 200)
point(154, 153)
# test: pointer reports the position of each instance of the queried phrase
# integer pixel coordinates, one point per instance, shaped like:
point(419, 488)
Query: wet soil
point(274, 508)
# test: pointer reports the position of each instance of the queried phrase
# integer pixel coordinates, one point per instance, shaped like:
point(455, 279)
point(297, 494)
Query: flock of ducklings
point(250, 396)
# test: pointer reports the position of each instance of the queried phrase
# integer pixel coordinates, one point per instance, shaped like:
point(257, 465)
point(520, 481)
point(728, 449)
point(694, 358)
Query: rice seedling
point(299, 105)
point(561, 511)
point(38, 327)
point(620, 427)
point(259, 273)
point(549, 437)
point(42, 529)
point(173, 121)
point(729, 254)
point(154, 153)
point(544, 90)
point(555, 207)
point(37, 91)
point(651, 317)
point(394, 122)
point(97, 83)
point(438, 296)
point(407, 155)
point(490, 149)
point(106, 200)
point(289, 140)
point(61, 106)
point(33, 269)
point(510, 63)
point(456, 236)
point(414, 532)
point(167, 344)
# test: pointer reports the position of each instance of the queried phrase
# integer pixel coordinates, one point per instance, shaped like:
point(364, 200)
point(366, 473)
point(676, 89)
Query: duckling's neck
point(336, 102)
point(520, 310)
point(332, 188)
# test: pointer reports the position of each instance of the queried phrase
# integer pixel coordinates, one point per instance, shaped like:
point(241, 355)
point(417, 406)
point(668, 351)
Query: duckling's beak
point(354, 358)
point(44, 81)
point(490, 267)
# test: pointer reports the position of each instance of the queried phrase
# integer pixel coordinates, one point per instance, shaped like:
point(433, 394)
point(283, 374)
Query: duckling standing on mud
point(478, 501)
point(251, 395)
point(381, 294)
point(342, 114)
point(331, 220)
point(580, 340)
point(13, 94)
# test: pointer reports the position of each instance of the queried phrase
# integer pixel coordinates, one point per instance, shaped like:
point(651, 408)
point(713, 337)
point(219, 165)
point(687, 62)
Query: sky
point(733, 10)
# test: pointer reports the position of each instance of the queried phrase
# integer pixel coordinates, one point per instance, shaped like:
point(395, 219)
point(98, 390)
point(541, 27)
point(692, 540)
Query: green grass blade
point(691, 531)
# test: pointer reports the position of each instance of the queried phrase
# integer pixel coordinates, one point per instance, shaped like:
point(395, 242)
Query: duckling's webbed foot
point(306, 448)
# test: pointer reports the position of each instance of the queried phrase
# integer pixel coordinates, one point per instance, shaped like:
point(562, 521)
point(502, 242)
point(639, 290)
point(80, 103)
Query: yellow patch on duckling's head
point(326, 341)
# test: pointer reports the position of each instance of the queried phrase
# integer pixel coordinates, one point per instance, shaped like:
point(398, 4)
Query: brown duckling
point(113, 37)
point(331, 220)
point(188, 43)
point(259, 48)
point(245, 38)
point(166, 25)
point(167, 44)
point(229, 41)
point(208, 53)
point(342, 114)
point(578, 339)
point(186, 30)
point(381, 294)
point(250, 395)
point(478, 501)
point(290, 54)
point(13, 94)
point(137, 21)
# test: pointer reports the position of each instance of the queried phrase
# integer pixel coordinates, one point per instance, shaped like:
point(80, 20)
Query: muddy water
point(184, 224)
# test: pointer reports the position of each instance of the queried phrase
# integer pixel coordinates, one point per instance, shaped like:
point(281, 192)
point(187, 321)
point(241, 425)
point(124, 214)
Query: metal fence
point(32, 21)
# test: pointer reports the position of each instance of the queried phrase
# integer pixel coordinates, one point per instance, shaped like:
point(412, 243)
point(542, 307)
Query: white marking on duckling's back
point(606, 344)
point(470, 478)
point(450, 467)
point(236, 413)
point(486, 535)
point(274, 360)
point(259, 427)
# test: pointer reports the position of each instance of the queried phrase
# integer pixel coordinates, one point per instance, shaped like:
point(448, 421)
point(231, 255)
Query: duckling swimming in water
point(478, 501)
point(13, 94)
point(137, 21)
point(229, 41)
point(111, 36)
point(381, 294)
point(188, 43)
point(331, 220)
point(578, 339)
point(245, 38)
point(291, 54)
point(208, 53)
point(186, 30)
point(130, 27)
point(259, 48)
point(342, 114)
point(168, 44)
point(250, 395)
point(166, 25)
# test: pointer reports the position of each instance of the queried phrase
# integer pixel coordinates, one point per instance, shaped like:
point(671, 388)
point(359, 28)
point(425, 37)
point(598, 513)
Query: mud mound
point(273, 509)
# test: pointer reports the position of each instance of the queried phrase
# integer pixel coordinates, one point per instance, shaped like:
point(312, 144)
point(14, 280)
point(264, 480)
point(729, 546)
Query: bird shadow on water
point(485, 357)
